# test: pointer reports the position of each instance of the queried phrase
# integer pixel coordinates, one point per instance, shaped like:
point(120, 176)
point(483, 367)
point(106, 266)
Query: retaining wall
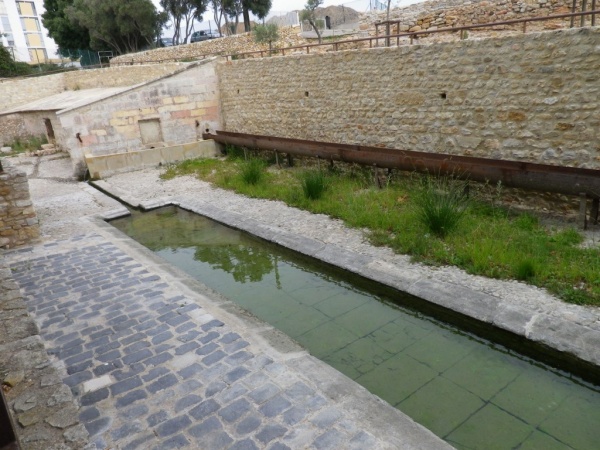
point(436, 14)
point(24, 90)
point(18, 221)
point(533, 97)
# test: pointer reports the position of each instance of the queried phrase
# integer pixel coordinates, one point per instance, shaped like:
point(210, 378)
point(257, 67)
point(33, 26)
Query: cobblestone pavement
point(151, 368)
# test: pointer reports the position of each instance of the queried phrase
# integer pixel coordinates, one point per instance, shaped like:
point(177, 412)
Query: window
point(38, 55)
point(6, 30)
point(34, 40)
point(30, 24)
point(26, 9)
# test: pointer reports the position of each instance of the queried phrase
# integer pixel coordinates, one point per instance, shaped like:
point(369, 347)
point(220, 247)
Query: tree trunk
point(246, 20)
point(314, 25)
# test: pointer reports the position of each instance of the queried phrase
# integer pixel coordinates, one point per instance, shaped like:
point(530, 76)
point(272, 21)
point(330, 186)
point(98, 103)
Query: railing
point(415, 34)
point(576, 181)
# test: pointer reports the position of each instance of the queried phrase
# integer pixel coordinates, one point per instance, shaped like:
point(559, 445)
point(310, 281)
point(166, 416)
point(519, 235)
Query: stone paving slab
point(155, 360)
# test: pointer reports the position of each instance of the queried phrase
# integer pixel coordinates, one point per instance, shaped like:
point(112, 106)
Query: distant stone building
point(334, 17)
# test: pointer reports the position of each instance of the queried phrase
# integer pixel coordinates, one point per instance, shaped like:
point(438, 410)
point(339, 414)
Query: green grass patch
point(486, 239)
point(27, 144)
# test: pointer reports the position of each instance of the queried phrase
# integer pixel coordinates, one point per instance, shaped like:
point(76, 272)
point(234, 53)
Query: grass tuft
point(441, 203)
point(253, 171)
point(313, 184)
point(525, 270)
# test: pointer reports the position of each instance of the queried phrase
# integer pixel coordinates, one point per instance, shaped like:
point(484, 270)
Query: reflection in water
point(473, 393)
point(242, 262)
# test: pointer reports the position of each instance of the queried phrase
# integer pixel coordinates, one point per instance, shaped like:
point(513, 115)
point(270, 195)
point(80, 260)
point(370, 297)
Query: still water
point(471, 392)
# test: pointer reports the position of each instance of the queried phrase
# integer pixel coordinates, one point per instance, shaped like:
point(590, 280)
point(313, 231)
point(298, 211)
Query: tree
point(122, 26)
point(11, 68)
point(217, 7)
point(266, 33)
point(260, 8)
point(184, 12)
point(308, 14)
point(66, 33)
point(232, 10)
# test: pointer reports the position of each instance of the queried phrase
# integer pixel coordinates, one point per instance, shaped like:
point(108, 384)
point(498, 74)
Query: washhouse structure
point(108, 129)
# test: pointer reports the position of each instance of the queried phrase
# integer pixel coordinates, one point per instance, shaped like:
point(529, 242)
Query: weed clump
point(313, 184)
point(525, 270)
point(440, 204)
point(253, 171)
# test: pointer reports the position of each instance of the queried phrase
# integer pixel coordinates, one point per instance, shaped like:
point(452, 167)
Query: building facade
point(22, 32)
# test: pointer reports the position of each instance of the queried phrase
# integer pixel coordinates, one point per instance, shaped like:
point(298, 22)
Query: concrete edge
point(356, 400)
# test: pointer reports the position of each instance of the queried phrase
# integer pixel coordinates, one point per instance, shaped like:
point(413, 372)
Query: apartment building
point(22, 32)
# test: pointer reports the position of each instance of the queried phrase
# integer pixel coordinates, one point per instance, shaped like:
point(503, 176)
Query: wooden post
point(593, 15)
point(583, 8)
point(573, 9)
point(277, 159)
point(594, 211)
point(583, 210)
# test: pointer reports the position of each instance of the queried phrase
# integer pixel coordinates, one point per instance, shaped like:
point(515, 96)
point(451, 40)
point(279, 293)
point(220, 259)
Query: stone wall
point(18, 221)
point(179, 107)
point(436, 14)
point(533, 97)
point(118, 76)
point(24, 90)
point(239, 43)
point(12, 127)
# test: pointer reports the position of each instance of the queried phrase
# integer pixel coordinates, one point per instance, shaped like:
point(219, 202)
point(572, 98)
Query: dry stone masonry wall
point(24, 90)
point(532, 97)
point(432, 15)
point(238, 43)
point(18, 221)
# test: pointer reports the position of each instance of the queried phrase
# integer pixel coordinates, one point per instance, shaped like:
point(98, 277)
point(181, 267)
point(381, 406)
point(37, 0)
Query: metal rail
point(531, 176)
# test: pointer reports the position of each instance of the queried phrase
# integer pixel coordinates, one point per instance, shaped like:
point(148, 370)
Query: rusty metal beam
point(531, 176)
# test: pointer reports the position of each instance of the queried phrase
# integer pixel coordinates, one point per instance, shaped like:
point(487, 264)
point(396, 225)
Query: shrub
point(252, 171)
point(441, 203)
point(313, 184)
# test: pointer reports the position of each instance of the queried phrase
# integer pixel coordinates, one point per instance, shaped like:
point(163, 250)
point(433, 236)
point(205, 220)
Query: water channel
point(471, 392)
